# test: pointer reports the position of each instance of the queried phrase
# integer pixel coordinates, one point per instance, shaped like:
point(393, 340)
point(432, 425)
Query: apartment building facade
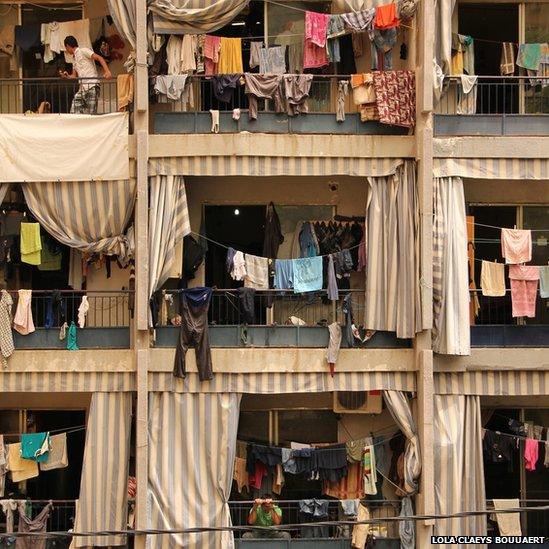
point(139, 206)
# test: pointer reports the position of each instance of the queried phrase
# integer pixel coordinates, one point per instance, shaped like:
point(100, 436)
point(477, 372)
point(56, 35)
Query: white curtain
point(451, 331)
point(192, 444)
point(459, 467)
point(4, 188)
point(399, 407)
point(392, 271)
point(103, 503)
point(123, 15)
point(168, 224)
point(444, 10)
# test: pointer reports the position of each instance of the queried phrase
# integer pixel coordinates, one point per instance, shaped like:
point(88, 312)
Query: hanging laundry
point(257, 272)
point(199, 53)
point(31, 243)
point(395, 97)
point(212, 45)
point(335, 29)
point(467, 95)
point(468, 50)
point(223, 86)
point(214, 113)
point(508, 523)
point(255, 47)
point(492, 279)
point(35, 446)
point(381, 48)
point(239, 266)
point(80, 29)
point(173, 54)
point(51, 256)
point(83, 311)
point(350, 487)
point(342, 92)
point(332, 288)
point(229, 259)
point(296, 92)
point(284, 274)
point(246, 302)
point(524, 289)
point(63, 331)
point(57, 456)
point(278, 479)
point(240, 475)
point(355, 450)
point(21, 469)
point(516, 245)
point(27, 37)
point(386, 17)
point(273, 237)
point(361, 255)
point(188, 53)
point(125, 91)
point(72, 344)
point(230, 56)
point(308, 241)
point(6, 335)
point(35, 526)
point(7, 44)
point(173, 87)
point(370, 472)
point(543, 281)
point(307, 274)
point(295, 57)
point(507, 64)
point(531, 454)
point(364, 95)
point(360, 21)
point(263, 86)
point(272, 60)
point(529, 56)
point(334, 344)
point(23, 322)
point(314, 54)
point(3, 464)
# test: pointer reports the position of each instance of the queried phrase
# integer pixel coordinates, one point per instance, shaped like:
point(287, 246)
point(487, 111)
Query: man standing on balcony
point(85, 99)
point(265, 513)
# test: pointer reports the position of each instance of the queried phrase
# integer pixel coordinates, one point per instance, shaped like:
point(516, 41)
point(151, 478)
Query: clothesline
point(518, 420)
point(499, 228)
point(508, 264)
point(520, 437)
point(66, 430)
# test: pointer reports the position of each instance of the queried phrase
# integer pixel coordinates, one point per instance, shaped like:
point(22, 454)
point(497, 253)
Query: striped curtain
point(123, 15)
point(192, 444)
point(193, 16)
point(459, 467)
point(451, 332)
point(168, 224)
point(90, 216)
point(492, 168)
point(104, 484)
point(392, 272)
point(4, 188)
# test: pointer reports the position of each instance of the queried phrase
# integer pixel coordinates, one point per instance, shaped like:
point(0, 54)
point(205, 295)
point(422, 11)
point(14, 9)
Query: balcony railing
point(55, 95)
point(534, 523)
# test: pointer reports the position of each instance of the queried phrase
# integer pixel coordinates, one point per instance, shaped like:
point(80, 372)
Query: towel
point(21, 469)
point(35, 446)
point(507, 64)
point(31, 243)
point(307, 274)
point(516, 245)
point(22, 321)
point(492, 279)
point(230, 56)
point(124, 87)
point(544, 283)
point(529, 56)
point(508, 523)
point(257, 272)
point(524, 289)
point(57, 456)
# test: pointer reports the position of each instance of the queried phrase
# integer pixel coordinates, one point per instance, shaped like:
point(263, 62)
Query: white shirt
point(84, 65)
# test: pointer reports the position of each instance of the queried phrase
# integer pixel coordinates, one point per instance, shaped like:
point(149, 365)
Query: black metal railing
point(275, 307)
point(379, 509)
point(107, 308)
point(496, 95)
point(56, 95)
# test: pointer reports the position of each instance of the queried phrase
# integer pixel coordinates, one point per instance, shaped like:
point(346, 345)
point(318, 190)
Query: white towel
point(257, 272)
point(508, 523)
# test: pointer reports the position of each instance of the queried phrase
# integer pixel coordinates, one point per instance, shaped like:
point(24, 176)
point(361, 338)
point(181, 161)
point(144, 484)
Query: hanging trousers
point(194, 303)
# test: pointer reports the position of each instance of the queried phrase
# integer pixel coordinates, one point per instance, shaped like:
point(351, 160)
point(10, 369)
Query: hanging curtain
point(451, 332)
point(192, 444)
point(87, 215)
point(103, 503)
point(168, 224)
point(444, 10)
point(399, 407)
point(193, 16)
point(392, 271)
point(459, 467)
point(123, 15)
point(4, 188)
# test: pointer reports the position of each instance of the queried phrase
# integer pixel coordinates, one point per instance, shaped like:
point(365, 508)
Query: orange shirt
point(386, 17)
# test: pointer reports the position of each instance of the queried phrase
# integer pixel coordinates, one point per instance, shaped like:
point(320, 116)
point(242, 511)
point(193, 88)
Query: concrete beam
point(494, 359)
point(491, 147)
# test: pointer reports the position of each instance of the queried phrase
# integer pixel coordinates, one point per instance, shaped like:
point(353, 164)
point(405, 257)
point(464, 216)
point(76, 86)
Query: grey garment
point(342, 92)
point(350, 507)
point(336, 27)
point(35, 526)
point(289, 464)
point(333, 291)
point(360, 20)
point(318, 508)
point(347, 308)
point(334, 344)
point(295, 58)
point(407, 528)
point(254, 54)
point(272, 60)
point(296, 92)
point(263, 86)
point(172, 86)
point(382, 45)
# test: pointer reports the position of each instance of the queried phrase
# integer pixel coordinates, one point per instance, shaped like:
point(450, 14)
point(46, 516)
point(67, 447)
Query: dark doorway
point(490, 25)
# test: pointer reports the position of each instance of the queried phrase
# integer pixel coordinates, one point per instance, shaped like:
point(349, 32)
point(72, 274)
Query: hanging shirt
point(516, 245)
point(307, 274)
point(296, 91)
point(284, 274)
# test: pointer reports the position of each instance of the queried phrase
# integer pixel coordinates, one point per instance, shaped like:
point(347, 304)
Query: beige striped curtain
point(90, 216)
point(4, 188)
point(192, 443)
point(393, 301)
point(104, 484)
point(451, 331)
point(193, 16)
point(459, 467)
point(399, 407)
point(168, 224)
point(123, 15)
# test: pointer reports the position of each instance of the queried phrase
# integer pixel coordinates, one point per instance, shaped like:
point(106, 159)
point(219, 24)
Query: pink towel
point(531, 452)
point(524, 289)
point(314, 50)
point(212, 44)
point(516, 245)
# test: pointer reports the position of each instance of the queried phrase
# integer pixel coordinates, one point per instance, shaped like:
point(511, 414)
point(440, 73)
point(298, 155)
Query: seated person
point(265, 513)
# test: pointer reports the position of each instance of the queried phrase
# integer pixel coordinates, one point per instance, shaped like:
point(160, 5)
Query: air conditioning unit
point(358, 402)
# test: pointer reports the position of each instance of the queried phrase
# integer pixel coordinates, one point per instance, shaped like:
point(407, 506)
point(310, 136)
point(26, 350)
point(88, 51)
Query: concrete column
point(140, 332)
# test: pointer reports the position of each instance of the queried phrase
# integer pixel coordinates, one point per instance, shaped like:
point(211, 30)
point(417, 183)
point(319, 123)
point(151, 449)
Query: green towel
point(71, 338)
point(35, 446)
point(50, 261)
point(529, 56)
point(31, 243)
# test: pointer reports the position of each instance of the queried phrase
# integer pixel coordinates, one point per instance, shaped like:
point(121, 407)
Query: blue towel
point(35, 446)
point(307, 274)
point(284, 274)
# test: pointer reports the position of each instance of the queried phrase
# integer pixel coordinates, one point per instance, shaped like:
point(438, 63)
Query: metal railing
point(56, 95)
point(107, 308)
point(496, 95)
point(322, 97)
point(379, 509)
point(534, 523)
point(277, 307)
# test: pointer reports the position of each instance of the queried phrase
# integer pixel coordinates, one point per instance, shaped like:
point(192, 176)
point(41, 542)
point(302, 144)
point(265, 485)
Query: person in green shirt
point(265, 513)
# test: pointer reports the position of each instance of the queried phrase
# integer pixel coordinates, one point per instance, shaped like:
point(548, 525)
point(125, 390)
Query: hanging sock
point(71, 339)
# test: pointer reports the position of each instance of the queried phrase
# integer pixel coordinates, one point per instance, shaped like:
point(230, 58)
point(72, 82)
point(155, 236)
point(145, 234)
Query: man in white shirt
point(85, 99)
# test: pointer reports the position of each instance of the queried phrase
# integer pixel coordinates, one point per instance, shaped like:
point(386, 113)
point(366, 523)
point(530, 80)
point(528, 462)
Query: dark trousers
point(194, 333)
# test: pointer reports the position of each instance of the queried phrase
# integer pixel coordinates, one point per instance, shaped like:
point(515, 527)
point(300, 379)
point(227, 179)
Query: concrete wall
point(495, 191)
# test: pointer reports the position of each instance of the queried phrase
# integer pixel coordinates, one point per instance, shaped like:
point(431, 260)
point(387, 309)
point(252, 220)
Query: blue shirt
point(307, 274)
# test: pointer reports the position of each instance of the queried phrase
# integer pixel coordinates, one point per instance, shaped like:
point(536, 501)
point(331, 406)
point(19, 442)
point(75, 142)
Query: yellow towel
point(230, 56)
point(31, 243)
point(124, 86)
point(21, 469)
